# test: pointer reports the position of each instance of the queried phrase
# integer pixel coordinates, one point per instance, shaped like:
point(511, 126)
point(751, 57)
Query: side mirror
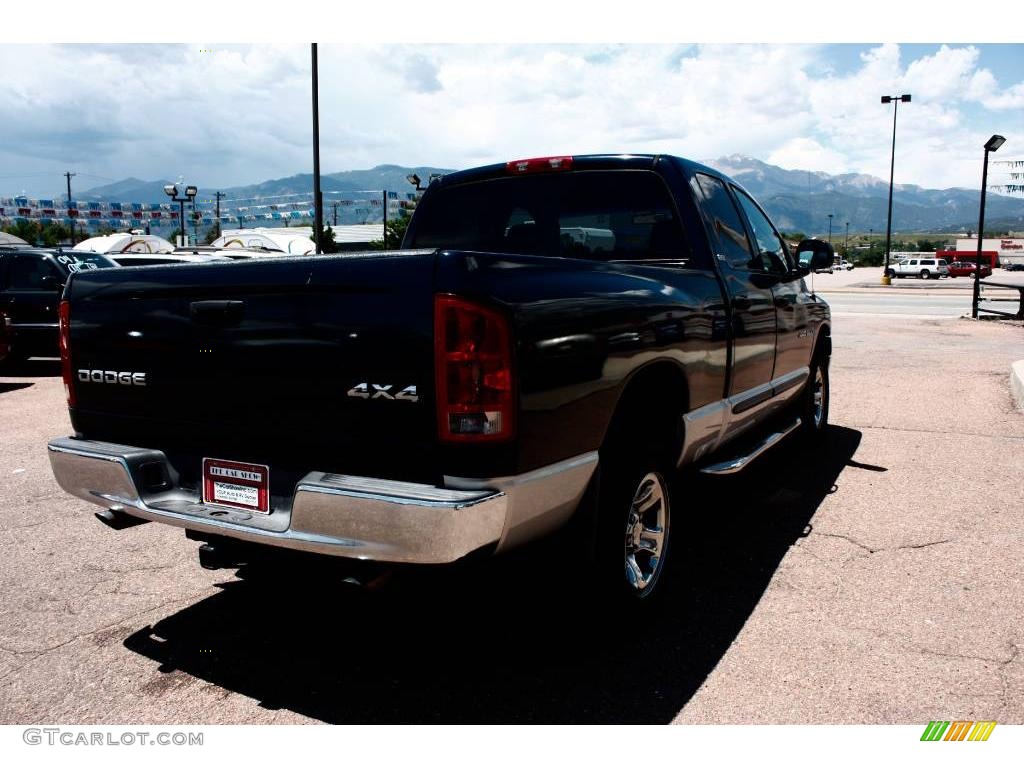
point(51, 283)
point(813, 255)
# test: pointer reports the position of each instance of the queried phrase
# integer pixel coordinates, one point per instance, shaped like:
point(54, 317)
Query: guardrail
point(1018, 315)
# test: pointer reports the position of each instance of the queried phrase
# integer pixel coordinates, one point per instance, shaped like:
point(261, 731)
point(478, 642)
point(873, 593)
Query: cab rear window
point(603, 215)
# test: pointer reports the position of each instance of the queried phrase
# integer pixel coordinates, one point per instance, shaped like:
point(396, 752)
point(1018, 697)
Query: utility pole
point(846, 242)
point(318, 203)
point(335, 206)
point(69, 174)
point(219, 196)
point(385, 238)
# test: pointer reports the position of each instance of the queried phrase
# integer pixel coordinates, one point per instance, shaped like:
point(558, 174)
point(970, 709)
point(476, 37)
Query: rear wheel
point(634, 527)
point(815, 400)
point(925, 274)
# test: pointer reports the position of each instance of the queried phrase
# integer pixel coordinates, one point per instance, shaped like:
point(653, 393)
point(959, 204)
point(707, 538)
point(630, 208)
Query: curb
point(1017, 383)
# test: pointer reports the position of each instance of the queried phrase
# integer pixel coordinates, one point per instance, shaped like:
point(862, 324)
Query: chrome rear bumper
point(344, 515)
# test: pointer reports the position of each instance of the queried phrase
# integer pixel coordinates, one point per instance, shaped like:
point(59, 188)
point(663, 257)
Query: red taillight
point(539, 165)
point(65, 351)
point(473, 369)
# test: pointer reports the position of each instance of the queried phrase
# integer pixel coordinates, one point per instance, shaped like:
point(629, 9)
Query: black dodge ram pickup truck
point(557, 334)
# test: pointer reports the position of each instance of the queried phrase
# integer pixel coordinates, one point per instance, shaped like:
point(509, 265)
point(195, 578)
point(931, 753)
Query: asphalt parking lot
point(878, 581)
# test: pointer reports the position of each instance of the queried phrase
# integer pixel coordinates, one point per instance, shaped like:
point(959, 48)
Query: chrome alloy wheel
point(647, 533)
point(819, 396)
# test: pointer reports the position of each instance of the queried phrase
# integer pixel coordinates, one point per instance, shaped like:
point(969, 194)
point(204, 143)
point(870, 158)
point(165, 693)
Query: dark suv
point(31, 282)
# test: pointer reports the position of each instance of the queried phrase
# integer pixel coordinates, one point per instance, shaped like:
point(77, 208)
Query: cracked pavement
point(904, 602)
point(897, 599)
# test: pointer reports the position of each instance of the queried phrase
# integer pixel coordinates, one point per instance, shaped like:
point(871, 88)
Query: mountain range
point(796, 200)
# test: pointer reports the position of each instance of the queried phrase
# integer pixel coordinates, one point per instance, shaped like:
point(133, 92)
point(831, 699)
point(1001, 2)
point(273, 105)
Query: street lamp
point(846, 242)
point(171, 190)
point(990, 146)
point(892, 167)
point(830, 227)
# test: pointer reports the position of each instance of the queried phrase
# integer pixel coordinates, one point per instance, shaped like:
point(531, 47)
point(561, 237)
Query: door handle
point(783, 303)
point(741, 302)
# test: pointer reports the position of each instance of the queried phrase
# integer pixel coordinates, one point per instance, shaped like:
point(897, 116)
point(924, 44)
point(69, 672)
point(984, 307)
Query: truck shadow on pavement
point(33, 368)
point(504, 641)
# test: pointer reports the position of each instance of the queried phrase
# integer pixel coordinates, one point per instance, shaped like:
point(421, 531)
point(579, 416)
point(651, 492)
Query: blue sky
point(223, 115)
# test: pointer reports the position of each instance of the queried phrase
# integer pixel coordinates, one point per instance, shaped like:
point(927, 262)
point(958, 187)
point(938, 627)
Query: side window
point(27, 273)
point(724, 219)
point(772, 255)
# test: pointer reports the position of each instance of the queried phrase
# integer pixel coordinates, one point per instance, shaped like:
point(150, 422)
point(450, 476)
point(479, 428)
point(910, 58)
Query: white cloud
point(805, 153)
point(240, 114)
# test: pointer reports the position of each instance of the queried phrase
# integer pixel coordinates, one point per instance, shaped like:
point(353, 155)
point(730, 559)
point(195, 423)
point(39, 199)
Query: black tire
point(632, 539)
point(890, 273)
point(925, 274)
point(814, 421)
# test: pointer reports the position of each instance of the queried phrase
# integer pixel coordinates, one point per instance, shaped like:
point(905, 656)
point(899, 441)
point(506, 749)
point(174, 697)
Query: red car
point(966, 269)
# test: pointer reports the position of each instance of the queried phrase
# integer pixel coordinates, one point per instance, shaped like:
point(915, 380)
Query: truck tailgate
point(293, 363)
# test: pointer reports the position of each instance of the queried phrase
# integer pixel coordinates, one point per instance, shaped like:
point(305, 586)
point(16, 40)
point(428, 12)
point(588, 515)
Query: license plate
point(236, 484)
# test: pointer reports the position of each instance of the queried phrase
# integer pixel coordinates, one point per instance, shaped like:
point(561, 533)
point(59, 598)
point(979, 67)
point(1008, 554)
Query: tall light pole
point(990, 146)
point(846, 243)
point(190, 192)
point(892, 168)
point(68, 175)
point(318, 203)
point(830, 227)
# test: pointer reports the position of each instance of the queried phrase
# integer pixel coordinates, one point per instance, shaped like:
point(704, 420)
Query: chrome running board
point(736, 464)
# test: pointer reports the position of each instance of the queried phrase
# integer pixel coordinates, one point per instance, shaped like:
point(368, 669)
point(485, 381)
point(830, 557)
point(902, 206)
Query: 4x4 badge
point(383, 391)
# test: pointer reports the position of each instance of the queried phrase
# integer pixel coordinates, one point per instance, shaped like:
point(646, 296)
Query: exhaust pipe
point(213, 557)
point(118, 519)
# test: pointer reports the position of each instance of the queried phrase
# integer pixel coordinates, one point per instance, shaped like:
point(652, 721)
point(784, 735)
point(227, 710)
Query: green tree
point(327, 244)
point(25, 229)
point(394, 233)
point(212, 234)
point(873, 258)
point(50, 234)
